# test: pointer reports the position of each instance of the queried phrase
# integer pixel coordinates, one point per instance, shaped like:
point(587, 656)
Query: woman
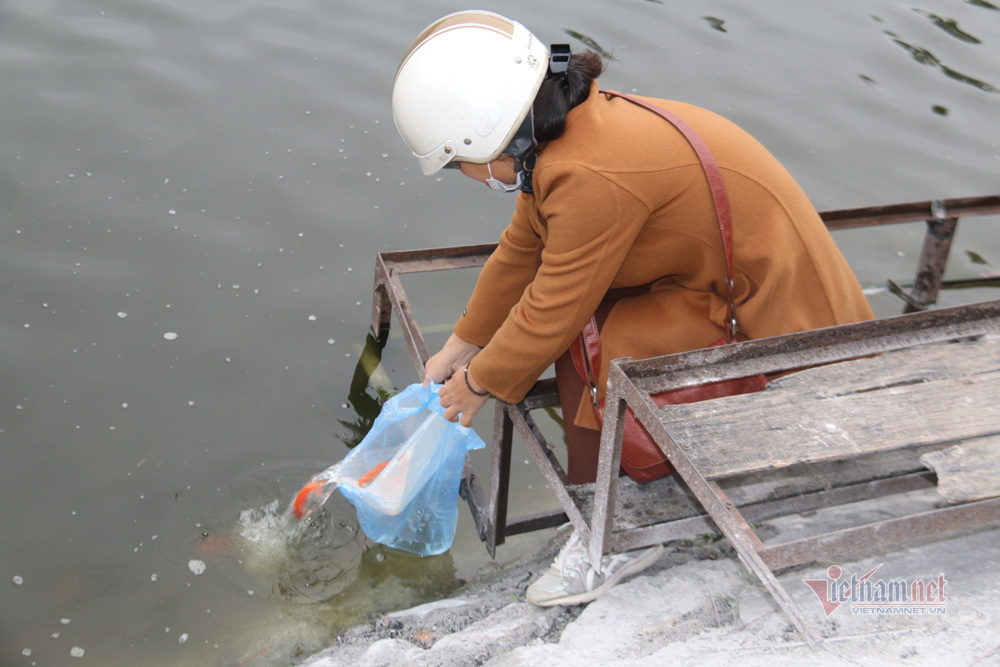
point(612, 201)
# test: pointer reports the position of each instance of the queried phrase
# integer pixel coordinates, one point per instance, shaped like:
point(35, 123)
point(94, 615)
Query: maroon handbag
point(642, 459)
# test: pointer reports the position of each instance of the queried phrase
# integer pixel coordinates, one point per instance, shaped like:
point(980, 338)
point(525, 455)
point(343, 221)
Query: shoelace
point(572, 557)
point(572, 560)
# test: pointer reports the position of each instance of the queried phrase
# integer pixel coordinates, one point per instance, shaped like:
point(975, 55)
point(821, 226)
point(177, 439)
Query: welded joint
point(940, 226)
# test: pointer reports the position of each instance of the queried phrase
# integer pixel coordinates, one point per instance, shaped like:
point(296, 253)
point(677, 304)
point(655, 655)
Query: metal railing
point(490, 512)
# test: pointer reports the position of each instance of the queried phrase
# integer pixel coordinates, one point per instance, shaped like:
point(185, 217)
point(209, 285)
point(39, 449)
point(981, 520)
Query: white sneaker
point(571, 580)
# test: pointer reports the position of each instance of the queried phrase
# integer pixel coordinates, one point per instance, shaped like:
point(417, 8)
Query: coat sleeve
point(588, 225)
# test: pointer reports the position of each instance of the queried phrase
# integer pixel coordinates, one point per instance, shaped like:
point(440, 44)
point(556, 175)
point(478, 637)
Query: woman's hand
point(457, 399)
point(452, 358)
point(449, 364)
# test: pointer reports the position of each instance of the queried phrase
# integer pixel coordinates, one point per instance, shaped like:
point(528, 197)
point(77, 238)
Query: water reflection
point(950, 26)
point(716, 23)
point(983, 3)
point(387, 580)
point(591, 44)
point(925, 57)
point(370, 388)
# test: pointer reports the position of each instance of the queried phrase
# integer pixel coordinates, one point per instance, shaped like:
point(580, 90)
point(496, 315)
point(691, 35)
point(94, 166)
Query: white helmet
point(465, 86)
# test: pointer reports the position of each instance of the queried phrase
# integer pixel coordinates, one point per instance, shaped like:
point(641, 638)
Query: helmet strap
point(528, 168)
point(522, 148)
point(559, 60)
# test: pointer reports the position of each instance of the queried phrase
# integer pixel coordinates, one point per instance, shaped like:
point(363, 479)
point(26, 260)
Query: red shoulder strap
point(586, 350)
point(717, 186)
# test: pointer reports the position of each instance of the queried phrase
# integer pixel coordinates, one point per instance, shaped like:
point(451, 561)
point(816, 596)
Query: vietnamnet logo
point(865, 595)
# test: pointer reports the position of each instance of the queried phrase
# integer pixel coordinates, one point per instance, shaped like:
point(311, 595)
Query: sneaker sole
point(641, 562)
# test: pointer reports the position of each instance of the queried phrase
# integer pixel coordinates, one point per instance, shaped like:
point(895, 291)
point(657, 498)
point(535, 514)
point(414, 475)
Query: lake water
point(192, 194)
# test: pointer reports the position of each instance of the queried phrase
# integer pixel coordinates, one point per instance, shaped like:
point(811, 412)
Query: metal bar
point(438, 259)
point(407, 321)
point(874, 216)
point(542, 395)
point(810, 348)
point(532, 522)
point(381, 306)
point(602, 516)
point(528, 430)
point(851, 493)
point(890, 531)
point(988, 280)
point(911, 302)
point(503, 432)
point(899, 288)
point(472, 256)
point(644, 536)
point(549, 466)
point(934, 255)
point(470, 490)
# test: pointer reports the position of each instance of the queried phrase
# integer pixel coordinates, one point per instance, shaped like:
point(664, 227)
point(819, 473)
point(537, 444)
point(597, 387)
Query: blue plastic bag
point(413, 502)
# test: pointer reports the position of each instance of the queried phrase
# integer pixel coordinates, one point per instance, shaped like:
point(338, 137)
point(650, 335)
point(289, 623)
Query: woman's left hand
point(457, 399)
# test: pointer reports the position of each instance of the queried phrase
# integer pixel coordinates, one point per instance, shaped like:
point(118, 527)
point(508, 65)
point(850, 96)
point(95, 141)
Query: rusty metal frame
point(941, 216)
point(490, 512)
point(631, 384)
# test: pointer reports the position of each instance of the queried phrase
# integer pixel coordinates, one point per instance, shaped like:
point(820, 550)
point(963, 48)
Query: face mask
point(500, 186)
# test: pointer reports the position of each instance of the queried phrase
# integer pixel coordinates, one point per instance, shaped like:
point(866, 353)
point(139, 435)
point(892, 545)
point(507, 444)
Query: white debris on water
point(312, 318)
point(170, 335)
point(183, 638)
point(196, 566)
point(122, 315)
point(76, 652)
point(64, 621)
point(17, 580)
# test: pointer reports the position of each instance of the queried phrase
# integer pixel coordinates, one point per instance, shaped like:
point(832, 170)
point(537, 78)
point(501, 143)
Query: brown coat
point(621, 200)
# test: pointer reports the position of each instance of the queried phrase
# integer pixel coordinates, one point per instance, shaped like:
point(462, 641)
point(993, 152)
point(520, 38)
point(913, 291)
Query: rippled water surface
point(192, 194)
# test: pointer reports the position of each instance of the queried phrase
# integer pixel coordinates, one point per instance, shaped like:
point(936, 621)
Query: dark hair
point(558, 94)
